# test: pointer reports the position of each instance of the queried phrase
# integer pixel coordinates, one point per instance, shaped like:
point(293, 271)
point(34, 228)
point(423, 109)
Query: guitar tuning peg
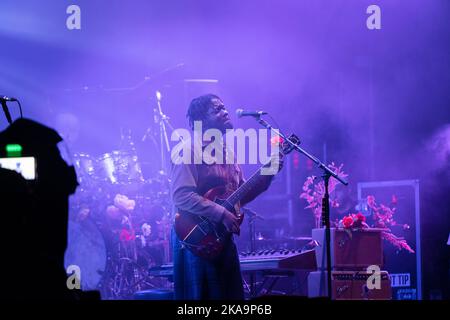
point(294, 139)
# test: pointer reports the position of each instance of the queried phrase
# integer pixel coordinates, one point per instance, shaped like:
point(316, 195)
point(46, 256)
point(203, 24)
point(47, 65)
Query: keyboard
point(261, 261)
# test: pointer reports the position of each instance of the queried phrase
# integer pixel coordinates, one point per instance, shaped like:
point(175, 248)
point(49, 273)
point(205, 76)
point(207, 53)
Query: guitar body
point(201, 236)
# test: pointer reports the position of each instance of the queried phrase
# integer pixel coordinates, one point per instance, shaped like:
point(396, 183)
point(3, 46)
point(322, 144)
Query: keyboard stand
point(270, 279)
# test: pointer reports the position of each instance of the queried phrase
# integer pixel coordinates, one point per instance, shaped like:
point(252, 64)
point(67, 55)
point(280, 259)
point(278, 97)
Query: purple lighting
point(364, 84)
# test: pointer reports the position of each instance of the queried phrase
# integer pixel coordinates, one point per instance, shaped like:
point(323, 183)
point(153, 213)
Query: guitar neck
point(245, 188)
point(253, 181)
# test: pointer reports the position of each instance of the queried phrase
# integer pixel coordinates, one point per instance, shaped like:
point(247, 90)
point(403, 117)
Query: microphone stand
point(251, 225)
point(327, 173)
point(163, 121)
point(164, 147)
point(164, 141)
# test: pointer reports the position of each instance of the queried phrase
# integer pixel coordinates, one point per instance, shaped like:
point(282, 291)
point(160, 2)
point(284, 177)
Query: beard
point(228, 125)
point(223, 126)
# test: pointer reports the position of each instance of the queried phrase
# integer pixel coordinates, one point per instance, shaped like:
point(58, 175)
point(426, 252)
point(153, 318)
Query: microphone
point(244, 113)
point(6, 98)
point(3, 100)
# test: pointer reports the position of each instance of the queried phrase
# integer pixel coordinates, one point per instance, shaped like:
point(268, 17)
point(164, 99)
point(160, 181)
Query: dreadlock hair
point(198, 108)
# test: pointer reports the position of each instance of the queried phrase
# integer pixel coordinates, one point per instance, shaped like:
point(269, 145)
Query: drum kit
point(119, 223)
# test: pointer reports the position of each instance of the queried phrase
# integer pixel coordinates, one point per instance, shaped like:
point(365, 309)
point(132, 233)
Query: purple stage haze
point(377, 101)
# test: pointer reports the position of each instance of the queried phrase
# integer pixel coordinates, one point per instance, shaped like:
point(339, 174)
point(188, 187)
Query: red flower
point(360, 217)
point(126, 235)
point(347, 222)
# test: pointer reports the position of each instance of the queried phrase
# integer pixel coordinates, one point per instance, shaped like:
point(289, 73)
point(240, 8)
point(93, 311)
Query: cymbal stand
point(163, 121)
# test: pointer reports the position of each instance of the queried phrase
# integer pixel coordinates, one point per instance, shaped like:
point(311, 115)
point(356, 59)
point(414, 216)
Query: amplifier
point(350, 252)
point(349, 285)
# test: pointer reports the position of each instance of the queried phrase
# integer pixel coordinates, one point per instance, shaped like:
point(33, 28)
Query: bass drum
point(86, 249)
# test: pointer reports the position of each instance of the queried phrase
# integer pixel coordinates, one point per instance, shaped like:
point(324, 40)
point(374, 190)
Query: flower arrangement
point(313, 192)
point(353, 221)
point(120, 211)
point(383, 219)
point(382, 215)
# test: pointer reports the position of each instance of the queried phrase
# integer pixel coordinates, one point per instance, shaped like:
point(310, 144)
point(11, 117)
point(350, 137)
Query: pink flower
point(400, 243)
point(394, 200)
point(113, 212)
point(370, 201)
point(334, 204)
point(276, 139)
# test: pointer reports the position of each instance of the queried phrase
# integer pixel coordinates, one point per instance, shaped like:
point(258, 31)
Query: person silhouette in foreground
point(34, 217)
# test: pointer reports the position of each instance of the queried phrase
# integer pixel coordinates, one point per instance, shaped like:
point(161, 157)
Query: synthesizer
point(264, 260)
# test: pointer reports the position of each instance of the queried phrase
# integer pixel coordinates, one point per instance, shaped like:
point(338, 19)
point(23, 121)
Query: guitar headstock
point(287, 147)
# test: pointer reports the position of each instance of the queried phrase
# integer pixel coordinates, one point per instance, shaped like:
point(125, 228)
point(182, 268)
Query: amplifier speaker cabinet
point(350, 252)
point(349, 285)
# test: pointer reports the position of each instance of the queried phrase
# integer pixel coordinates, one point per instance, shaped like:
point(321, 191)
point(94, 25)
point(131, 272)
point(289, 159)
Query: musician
point(195, 277)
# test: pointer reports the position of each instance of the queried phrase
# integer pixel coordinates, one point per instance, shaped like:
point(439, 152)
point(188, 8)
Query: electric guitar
point(206, 239)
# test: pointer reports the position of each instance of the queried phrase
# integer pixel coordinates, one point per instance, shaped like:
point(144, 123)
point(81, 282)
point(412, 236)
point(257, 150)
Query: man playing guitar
point(205, 266)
